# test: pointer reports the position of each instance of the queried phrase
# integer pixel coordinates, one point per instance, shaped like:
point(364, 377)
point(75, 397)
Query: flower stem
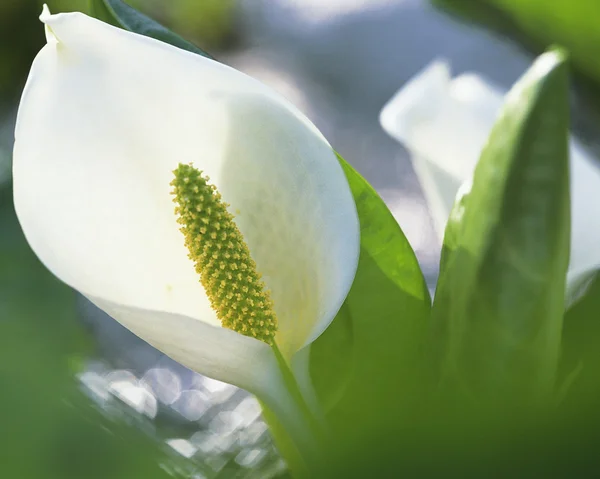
point(292, 385)
point(289, 415)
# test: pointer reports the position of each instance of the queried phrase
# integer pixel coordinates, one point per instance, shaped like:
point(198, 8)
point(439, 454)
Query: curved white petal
point(445, 123)
point(216, 352)
point(107, 115)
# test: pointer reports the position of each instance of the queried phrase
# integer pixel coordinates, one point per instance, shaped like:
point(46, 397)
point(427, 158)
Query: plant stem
point(292, 385)
point(299, 435)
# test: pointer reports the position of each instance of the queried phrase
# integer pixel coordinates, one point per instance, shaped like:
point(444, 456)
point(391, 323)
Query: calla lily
point(105, 119)
point(445, 122)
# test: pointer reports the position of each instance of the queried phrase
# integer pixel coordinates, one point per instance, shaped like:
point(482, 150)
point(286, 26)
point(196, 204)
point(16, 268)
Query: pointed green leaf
point(118, 13)
point(385, 317)
point(497, 315)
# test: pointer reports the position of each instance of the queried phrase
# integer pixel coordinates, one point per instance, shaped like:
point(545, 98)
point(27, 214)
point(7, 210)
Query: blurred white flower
point(105, 118)
point(445, 122)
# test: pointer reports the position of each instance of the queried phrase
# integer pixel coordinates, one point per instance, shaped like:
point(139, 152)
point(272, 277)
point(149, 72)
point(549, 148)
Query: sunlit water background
point(339, 61)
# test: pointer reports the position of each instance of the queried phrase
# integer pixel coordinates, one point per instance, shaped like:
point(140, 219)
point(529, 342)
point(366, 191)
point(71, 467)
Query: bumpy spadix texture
point(105, 118)
point(222, 258)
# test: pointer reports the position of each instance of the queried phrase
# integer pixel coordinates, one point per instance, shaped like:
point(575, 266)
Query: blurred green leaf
point(100, 10)
point(570, 23)
point(50, 428)
point(539, 23)
point(490, 17)
point(580, 375)
point(377, 349)
point(497, 315)
point(210, 24)
point(122, 15)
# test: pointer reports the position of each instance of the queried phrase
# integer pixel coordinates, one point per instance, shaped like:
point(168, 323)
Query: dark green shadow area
point(550, 449)
point(580, 361)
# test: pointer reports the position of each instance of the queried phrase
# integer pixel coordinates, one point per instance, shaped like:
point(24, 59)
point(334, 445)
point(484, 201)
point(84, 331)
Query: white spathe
point(105, 117)
point(445, 122)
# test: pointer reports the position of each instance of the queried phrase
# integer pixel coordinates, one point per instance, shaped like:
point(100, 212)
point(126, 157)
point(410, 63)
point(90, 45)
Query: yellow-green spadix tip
point(221, 257)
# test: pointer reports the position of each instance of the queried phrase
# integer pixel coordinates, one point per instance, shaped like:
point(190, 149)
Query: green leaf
point(573, 24)
point(538, 24)
point(535, 25)
point(118, 13)
point(331, 359)
point(374, 346)
point(100, 10)
point(580, 374)
point(497, 315)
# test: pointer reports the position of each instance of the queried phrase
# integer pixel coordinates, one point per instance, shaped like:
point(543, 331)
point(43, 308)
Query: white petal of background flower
point(445, 123)
point(107, 115)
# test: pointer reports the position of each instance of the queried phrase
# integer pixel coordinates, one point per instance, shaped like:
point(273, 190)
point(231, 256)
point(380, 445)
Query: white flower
point(445, 122)
point(105, 118)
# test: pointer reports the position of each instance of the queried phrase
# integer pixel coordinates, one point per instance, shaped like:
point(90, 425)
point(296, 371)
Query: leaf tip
point(553, 61)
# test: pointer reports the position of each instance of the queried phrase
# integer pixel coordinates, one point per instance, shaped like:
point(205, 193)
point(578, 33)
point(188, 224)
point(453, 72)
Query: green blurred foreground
point(50, 429)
